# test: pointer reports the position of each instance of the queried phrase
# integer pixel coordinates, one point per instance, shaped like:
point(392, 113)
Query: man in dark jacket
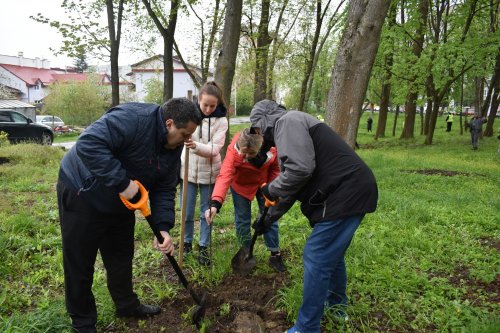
point(335, 188)
point(130, 142)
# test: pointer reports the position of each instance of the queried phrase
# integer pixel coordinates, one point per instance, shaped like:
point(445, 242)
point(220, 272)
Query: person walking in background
point(204, 165)
point(369, 123)
point(245, 167)
point(476, 128)
point(336, 189)
point(134, 141)
point(449, 121)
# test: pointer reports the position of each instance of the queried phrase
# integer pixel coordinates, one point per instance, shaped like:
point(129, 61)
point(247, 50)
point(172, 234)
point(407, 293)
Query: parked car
point(19, 128)
point(51, 121)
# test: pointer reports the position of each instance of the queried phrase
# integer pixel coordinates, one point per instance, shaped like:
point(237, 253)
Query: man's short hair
point(181, 111)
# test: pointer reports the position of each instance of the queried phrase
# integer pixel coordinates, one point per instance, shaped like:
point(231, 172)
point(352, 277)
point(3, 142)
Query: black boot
point(188, 247)
point(204, 258)
point(276, 262)
point(141, 311)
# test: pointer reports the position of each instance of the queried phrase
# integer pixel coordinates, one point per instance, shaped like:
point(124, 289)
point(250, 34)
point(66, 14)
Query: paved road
point(232, 121)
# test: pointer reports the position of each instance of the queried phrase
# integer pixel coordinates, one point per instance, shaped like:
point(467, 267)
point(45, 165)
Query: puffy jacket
point(205, 160)
point(244, 177)
point(126, 143)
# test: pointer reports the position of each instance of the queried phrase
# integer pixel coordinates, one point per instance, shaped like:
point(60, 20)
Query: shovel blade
point(242, 263)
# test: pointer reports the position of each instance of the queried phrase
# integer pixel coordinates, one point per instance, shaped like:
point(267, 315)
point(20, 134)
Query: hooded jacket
point(205, 160)
point(243, 177)
point(317, 167)
point(126, 143)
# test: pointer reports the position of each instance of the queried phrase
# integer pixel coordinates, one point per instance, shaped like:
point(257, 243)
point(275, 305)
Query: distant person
point(476, 128)
point(369, 123)
point(134, 141)
point(449, 121)
point(204, 165)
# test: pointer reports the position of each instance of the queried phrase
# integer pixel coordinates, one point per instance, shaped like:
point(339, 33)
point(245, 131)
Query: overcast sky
point(20, 33)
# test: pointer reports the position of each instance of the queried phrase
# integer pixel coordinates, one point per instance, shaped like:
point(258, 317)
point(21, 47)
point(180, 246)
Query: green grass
point(427, 260)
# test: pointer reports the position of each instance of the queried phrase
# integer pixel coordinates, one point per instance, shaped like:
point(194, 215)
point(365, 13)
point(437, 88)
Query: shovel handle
point(142, 204)
point(254, 237)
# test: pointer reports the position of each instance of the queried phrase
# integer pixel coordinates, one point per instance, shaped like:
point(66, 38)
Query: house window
point(36, 87)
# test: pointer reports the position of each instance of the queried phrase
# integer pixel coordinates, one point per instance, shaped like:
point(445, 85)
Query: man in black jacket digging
point(130, 142)
point(336, 189)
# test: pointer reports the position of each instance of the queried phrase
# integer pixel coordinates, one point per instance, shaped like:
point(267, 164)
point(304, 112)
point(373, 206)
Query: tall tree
point(85, 32)
point(226, 61)
point(166, 26)
point(353, 66)
point(417, 47)
point(262, 52)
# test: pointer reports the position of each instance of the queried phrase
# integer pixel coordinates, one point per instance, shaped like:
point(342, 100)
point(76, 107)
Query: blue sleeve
point(100, 144)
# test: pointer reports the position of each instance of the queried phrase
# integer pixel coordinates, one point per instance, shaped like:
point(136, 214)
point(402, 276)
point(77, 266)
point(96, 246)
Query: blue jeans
point(243, 221)
point(325, 277)
point(205, 194)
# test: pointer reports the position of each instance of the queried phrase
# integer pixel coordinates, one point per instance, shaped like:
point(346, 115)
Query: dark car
point(19, 128)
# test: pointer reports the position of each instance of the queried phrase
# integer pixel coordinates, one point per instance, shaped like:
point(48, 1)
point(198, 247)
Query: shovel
point(243, 261)
point(142, 205)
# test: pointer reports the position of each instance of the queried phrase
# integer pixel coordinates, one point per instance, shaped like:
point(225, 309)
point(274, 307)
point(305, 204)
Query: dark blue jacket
point(126, 143)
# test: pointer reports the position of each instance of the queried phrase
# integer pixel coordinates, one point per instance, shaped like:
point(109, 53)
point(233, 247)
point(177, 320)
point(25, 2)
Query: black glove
point(262, 225)
point(216, 204)
point(265, 192)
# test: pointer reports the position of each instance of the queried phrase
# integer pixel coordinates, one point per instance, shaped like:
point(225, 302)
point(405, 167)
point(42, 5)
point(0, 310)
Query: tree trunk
point(226, 62)
point(310, 58)
point(168, 45)
point(488, 131)
point(411, 99)
point(495, 81)
point(353, 66)
point(262, 53)
point(478, 95)
point(428, 109)
point(436, 101)
point(395, 121)
point(114, 38)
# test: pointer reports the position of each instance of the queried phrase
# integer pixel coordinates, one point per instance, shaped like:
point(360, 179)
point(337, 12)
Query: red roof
point(31, 75)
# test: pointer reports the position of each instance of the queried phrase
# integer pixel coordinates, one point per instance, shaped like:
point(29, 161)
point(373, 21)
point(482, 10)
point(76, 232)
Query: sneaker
point(204, 258)
point(188, 247)
point(276, 262)
point(292, 330)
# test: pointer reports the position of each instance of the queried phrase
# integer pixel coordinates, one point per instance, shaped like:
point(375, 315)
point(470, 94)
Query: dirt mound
point(238, 304)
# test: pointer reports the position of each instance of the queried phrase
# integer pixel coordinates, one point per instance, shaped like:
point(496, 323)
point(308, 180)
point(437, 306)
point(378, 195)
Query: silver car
point(48, 120)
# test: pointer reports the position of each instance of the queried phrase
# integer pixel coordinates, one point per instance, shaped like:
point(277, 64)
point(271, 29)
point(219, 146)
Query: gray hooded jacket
point(317, 167)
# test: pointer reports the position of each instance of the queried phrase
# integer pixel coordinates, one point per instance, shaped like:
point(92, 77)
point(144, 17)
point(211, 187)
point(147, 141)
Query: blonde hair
point(213, 89)
point(249, 140)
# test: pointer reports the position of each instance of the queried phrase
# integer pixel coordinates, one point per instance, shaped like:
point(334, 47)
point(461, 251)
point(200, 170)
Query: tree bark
point(262, 53)
point(411, 99)
point(353, 66)
point(114, 38)
point(226, 62)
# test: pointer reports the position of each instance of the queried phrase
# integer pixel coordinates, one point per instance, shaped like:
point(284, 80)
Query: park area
point(427, 260)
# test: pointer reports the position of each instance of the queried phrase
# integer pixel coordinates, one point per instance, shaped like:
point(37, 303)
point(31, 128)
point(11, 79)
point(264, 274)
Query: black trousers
point(84, 232)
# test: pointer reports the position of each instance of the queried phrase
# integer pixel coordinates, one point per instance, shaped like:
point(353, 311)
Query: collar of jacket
point(161, 129)
point(220, 111)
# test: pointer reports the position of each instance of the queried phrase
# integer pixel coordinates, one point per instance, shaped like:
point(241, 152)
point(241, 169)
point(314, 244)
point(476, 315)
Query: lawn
point(427, 260)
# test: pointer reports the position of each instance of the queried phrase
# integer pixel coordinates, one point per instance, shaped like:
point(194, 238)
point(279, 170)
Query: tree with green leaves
point(353, 64)
point(78, 103)
point(84, 32)
point(80, 61)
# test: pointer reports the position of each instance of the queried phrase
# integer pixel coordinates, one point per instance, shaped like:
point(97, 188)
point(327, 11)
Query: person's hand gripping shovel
point(143, 206)
point(243, 261)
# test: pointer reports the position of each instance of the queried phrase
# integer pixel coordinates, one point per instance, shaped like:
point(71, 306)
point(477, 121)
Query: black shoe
point(276, 262)
point(188, 247)
point(204, 258)
point(142, 311)
point(86, 329)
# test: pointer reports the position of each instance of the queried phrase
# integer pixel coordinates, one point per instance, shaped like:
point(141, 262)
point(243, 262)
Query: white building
point(152, 67)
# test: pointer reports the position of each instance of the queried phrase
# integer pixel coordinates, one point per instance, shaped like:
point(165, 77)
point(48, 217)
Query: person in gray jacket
point(476, 128)
point(336, 189)
point(134, 141)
